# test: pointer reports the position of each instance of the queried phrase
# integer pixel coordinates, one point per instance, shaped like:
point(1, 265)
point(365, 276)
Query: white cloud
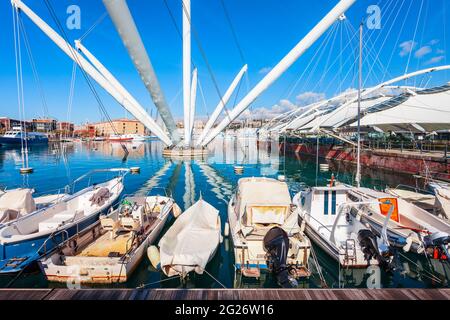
point(422, 52)
point(440, 51)
point(406, 47)
point(435, 60)
point(434, 41)
point(264, 70)
point(309, 97)
point(283, 106)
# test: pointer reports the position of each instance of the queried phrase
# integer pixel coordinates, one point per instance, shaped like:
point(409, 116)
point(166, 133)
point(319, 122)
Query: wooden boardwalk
point(225, 294)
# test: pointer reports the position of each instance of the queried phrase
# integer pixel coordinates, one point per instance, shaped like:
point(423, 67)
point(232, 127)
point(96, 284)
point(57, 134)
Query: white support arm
point(222, 103)
point(138, 113)
point(282, 66)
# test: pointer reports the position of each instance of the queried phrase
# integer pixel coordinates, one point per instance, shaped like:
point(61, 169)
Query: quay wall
point(393, 160)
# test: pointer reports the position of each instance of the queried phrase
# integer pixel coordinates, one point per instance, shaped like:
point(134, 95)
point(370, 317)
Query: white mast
point(223, 101)
point(186, 8)
point(358, 151)
point(282, 66)
point(193, 98)
point(138, 113)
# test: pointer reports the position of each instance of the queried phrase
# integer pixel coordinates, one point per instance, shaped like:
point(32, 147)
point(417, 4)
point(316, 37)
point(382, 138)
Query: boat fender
point(408, 244)
point(176, 211)
point(154, 257)
point(226, 229)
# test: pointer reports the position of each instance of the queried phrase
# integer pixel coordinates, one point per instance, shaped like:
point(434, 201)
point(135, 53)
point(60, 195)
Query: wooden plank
point(24, 294)
point(225, 294)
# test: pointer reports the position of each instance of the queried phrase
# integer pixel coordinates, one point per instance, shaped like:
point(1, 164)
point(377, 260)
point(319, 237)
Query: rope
point(414, 37)
point(96, 23)
point(142, 286)
point(319, 269)
point(33, 67)
point(85, 75)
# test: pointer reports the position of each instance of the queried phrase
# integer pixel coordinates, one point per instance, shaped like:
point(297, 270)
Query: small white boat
point(326, 212)
point(261, 206)
point(192, 241)
point(26, 239)
point(111, 249)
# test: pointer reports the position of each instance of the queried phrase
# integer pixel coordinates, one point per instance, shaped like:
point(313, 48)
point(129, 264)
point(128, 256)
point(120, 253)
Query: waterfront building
point(119, 126)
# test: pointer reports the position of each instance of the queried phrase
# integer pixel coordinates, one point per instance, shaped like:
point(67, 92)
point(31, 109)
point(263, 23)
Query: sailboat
point(326, 214)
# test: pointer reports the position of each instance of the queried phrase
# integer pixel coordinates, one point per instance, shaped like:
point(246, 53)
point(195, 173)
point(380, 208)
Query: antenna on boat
point(358, 151)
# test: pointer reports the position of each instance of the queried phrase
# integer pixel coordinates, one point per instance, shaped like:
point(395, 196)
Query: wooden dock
point(225, 294)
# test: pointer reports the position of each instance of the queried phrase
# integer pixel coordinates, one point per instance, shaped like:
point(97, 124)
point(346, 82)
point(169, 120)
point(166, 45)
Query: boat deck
point(105, 246)
point(225, 294)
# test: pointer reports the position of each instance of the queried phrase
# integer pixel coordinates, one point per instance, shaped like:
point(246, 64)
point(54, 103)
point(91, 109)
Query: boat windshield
point(265, 215)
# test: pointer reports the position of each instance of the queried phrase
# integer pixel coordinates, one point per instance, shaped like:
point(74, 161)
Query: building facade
point(119, 126)
point(44, 125)
point(9, 124)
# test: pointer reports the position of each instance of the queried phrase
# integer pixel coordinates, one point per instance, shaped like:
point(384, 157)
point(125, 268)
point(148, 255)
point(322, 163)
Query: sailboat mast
point(358, 152)
point(186, 9)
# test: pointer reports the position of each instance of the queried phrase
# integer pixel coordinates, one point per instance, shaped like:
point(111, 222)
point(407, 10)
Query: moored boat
point(26, 239)
point(326, 213)
point(111, 249)
point(192, 241)
point(120, 138)
point(259, 206)
point(18, 137)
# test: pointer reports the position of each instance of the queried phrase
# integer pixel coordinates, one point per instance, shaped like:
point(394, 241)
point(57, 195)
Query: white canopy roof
point(427, 110)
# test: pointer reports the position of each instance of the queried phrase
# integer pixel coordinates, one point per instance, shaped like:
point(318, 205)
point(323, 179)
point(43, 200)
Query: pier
point(225, 294)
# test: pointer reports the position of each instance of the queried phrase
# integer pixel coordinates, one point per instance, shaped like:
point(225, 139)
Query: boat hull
point(19, 141)
point(18, 255)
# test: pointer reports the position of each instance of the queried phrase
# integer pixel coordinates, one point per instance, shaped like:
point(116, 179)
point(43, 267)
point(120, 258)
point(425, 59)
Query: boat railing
point(121, 172)
point(167, 192)
point(52, 237)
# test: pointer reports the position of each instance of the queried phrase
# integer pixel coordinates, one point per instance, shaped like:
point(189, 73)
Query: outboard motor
point(437, 245)
point(369, 246)
point(276, 244)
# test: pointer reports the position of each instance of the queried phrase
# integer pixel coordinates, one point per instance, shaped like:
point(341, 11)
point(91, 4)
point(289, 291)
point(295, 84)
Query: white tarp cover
point(191, 241)
point(430, 111)
point(262, 192)
point(20, 200)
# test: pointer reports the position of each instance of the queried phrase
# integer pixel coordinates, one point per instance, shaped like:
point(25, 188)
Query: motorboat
point(111, 249)
point(326, 215)
point(263, 224)
point(192, 241)
point(18, 137)
point(26, 239)
point(402, 223)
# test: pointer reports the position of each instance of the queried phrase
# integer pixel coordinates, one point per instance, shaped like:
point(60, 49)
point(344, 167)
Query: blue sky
point(414, 33)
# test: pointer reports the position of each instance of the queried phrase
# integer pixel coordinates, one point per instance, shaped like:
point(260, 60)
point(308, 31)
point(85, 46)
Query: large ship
point(16, 137)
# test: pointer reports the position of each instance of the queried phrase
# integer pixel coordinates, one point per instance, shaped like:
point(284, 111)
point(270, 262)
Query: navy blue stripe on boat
point(333, 202)
point(325, 204)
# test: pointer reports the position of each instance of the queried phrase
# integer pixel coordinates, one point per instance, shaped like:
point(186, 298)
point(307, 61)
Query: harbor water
point(214, 179)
